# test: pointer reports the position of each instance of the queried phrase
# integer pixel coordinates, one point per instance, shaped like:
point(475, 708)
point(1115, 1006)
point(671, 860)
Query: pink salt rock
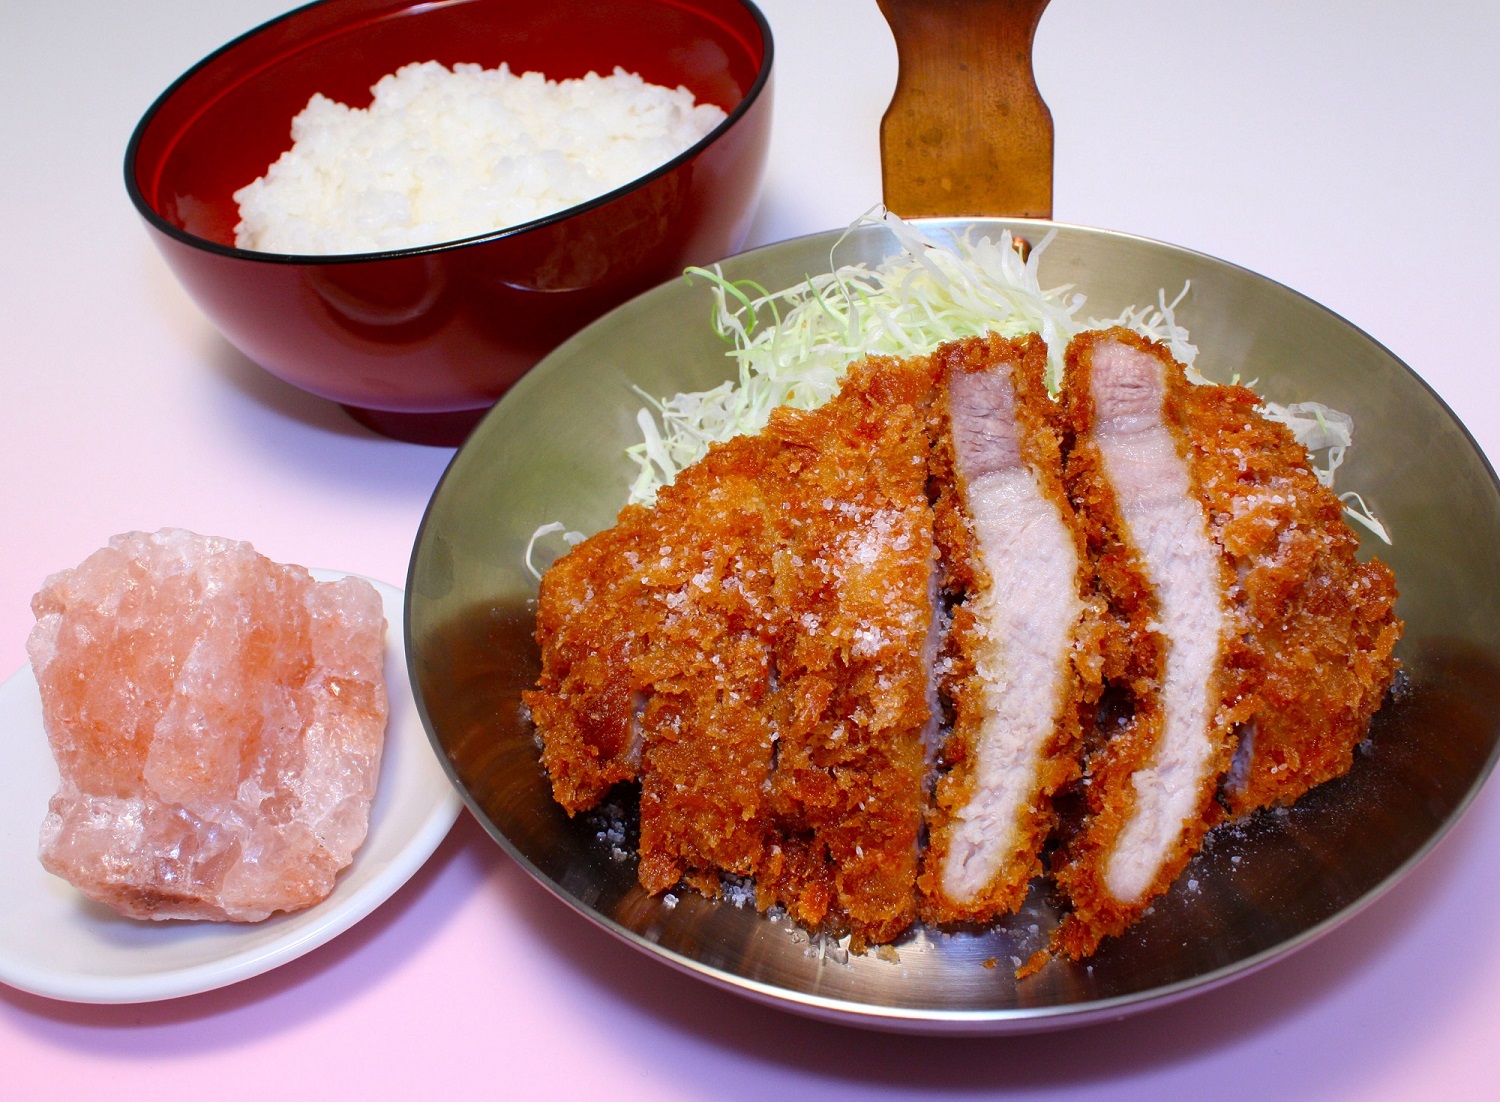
point(217, 720)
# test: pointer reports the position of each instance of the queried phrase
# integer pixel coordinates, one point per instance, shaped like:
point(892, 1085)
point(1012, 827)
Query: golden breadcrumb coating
point(751, 647)
point(656, 665)
point(1317, 626)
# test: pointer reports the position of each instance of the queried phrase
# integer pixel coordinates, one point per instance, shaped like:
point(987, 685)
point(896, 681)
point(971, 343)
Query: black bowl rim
point(177, 233)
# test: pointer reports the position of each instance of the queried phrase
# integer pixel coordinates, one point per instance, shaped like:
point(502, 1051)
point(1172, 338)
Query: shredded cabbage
point(572, 539)
point(793, 347)
point(1321, 429)
point(1316, 428)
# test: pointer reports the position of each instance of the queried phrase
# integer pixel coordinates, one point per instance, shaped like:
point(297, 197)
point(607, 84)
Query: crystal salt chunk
point(217, 721)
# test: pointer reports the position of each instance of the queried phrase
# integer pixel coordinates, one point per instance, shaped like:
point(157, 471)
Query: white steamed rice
point(446, 154)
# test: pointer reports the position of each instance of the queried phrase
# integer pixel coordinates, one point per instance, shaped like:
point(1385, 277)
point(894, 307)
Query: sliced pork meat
point(1017, 650)
point(1151, 790)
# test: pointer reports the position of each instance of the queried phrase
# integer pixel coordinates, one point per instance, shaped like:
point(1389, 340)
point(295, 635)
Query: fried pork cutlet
point(1023, 672)
point(1151, 791)
point(759, 650)
point(754, 648)
point(657, 667)
point(1316, 626)
point(1260, 645)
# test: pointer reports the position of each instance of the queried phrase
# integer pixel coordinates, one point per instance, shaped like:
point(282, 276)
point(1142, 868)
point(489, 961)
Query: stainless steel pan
point(552, 451)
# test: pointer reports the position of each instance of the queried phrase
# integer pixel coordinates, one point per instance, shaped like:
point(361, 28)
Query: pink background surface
point(1348, 151)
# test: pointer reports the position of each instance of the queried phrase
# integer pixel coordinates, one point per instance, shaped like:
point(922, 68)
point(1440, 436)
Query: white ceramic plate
point(57, 943)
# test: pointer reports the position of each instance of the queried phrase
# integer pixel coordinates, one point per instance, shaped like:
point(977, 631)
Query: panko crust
point(1317, 627)
point(751, 649)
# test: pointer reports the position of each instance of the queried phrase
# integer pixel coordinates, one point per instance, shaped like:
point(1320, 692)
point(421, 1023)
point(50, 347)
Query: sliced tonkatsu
point(1258, 648)
point(1151, 793)
point(851, 567)
point(1316, 626)
point(656, 667)
point(1022, 669)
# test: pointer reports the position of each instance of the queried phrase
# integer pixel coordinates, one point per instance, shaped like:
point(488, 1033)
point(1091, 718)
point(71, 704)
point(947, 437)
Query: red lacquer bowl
point(419, 343)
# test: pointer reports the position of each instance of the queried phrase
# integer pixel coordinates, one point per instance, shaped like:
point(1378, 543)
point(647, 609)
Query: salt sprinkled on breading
point(739, 893)
point(442, 155)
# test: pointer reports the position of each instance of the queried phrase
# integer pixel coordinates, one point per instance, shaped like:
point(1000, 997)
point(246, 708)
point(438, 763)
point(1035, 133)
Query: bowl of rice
point(402, 206)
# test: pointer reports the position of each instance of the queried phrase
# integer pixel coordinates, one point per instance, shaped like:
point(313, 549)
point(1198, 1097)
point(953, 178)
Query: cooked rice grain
point(442, 154)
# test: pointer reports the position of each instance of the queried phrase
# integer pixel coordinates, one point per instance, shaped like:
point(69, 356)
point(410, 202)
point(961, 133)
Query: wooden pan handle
point(967, 132)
